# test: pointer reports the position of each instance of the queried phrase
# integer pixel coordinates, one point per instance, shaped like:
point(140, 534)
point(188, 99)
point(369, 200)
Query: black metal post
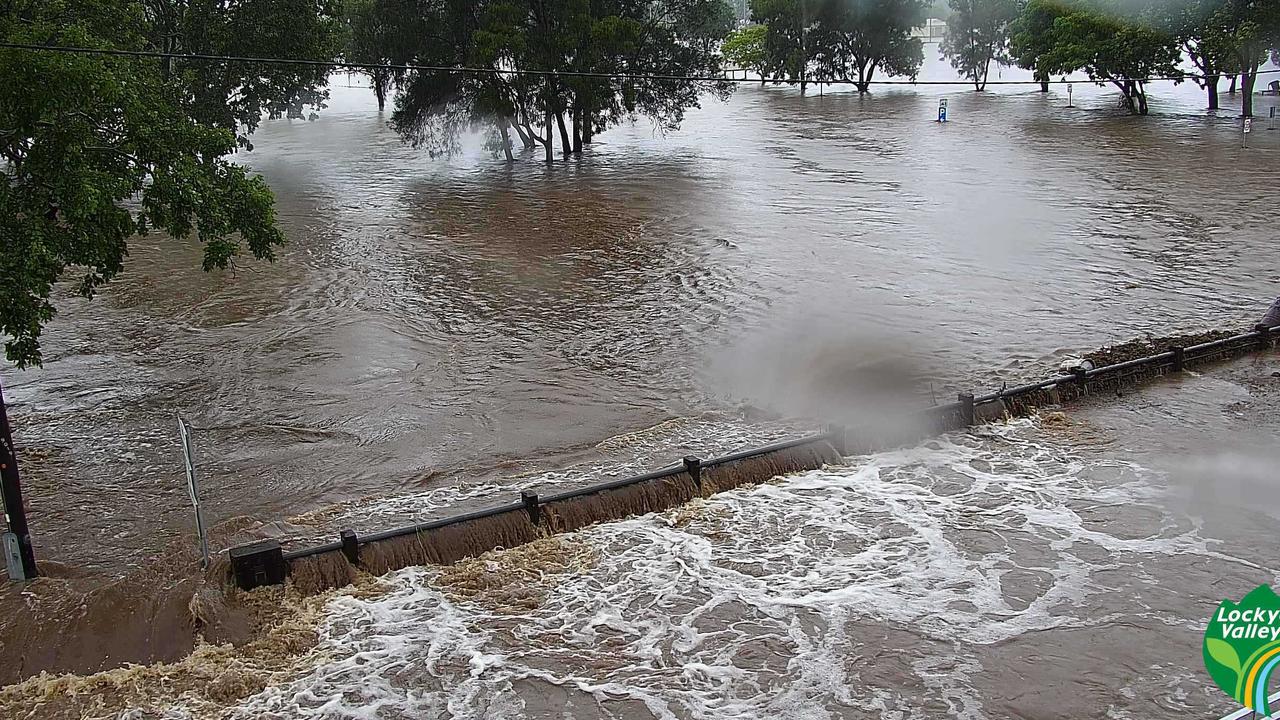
point(839, 435)
point(966, 409)
point(351, 546)
point(1082, 378)
point(530, 500)
point(15, 512)
point(1264, 334)
point(1179, 358)
point(693, 466)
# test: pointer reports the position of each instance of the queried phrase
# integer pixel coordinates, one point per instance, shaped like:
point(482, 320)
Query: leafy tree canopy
point(96, 149)
point(671, 39)
point(1097, 37)
point(846, 40)
point(745, 48)
point(977, 35)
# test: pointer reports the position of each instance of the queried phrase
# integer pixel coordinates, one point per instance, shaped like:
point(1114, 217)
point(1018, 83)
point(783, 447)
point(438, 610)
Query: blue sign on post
point(942, 110)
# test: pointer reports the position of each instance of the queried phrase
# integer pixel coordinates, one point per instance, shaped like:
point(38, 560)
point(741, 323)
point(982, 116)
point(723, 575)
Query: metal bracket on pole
point(193, 489)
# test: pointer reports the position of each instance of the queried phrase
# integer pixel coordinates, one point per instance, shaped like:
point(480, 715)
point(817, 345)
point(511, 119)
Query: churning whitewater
point(788, 599)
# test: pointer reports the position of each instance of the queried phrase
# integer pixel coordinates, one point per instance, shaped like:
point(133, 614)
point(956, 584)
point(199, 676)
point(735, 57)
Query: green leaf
point(1223, 653)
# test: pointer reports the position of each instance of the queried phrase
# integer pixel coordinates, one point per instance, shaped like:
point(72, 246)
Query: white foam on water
point(785, 600)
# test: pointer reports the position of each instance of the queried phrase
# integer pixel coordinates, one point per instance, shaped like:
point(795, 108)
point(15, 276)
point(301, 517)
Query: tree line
point(564, 70)
point(96, 148)
point(1120, 42)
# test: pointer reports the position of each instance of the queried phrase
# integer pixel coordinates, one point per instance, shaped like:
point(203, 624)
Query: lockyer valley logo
point(1242, 647)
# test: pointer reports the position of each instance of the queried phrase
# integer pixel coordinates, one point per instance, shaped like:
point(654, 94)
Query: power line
point(415, 67)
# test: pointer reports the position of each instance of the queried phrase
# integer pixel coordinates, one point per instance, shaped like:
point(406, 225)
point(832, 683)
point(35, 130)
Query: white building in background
point(932, 31)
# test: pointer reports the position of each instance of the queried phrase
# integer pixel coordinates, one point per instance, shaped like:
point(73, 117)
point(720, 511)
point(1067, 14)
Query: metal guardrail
point(265, 562)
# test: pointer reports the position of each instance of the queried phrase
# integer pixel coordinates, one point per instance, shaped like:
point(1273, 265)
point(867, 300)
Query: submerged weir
point(451, 539)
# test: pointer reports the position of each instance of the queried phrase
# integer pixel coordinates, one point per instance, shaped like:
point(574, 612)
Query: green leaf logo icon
point(1242, 647)
point(1221, 651)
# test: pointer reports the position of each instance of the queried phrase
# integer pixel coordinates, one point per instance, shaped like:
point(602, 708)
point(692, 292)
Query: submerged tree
point(787, 24)
point(1192, 23)
point(1110, 46)
point(843, 40)
point(977, 35)
point(1250, 31)
point(855, 38)
point(96, 149)
point(367, 43)
point(237, 95)
point(745, 48)
point(568, 68)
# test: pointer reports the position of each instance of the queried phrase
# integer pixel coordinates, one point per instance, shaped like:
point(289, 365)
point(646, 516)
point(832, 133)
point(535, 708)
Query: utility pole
point(804, 43)
point(15, 513)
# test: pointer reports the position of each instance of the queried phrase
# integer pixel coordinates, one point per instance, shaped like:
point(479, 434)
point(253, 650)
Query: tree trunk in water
point(1246, 93)
point(551, 133)
point(524, 138)
point(1141, 93)
point(1211, 87)
point(1044, 81)
point(380, 90)
point(1232, 90)
point(506, 141)
point(566, 144)
point(577, 127)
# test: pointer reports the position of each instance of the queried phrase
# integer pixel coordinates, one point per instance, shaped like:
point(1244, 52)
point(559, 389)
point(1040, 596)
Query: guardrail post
point(966, 409)
point(258, 564)
point(530, 500)
point(1264, 333)
point(693, 466)
point(1082, 378)
point(839, 435)
point(351, 546)
point(1179, 358)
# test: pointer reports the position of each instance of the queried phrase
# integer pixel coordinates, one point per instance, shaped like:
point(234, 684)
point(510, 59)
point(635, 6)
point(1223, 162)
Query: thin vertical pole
point(15, 513)
point(550, 128)
point(193, 487)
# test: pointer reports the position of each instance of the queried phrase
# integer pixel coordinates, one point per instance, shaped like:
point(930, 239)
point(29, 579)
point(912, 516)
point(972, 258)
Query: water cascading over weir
point(529, 517)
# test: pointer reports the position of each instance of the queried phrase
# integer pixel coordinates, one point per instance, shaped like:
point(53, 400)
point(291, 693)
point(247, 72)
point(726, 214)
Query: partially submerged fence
point(520, 521)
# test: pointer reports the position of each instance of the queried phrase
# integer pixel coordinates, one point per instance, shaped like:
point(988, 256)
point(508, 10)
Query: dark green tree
point(787, 27)
point(647, 52)
point(855, 38)
point(977, 35)
point(1192, 23)
point(1030, 36)
point(96, 150)
point(368, 42)
point(1065, 36)
point(841, 40)
point(1250, 30)
point(706, 24)
point(237, 95)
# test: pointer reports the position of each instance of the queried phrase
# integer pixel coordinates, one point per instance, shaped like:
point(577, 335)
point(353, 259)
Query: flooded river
point(1063, 568)
point(435, 326)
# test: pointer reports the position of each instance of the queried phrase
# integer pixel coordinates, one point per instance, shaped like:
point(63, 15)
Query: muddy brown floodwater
point(459, 324)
